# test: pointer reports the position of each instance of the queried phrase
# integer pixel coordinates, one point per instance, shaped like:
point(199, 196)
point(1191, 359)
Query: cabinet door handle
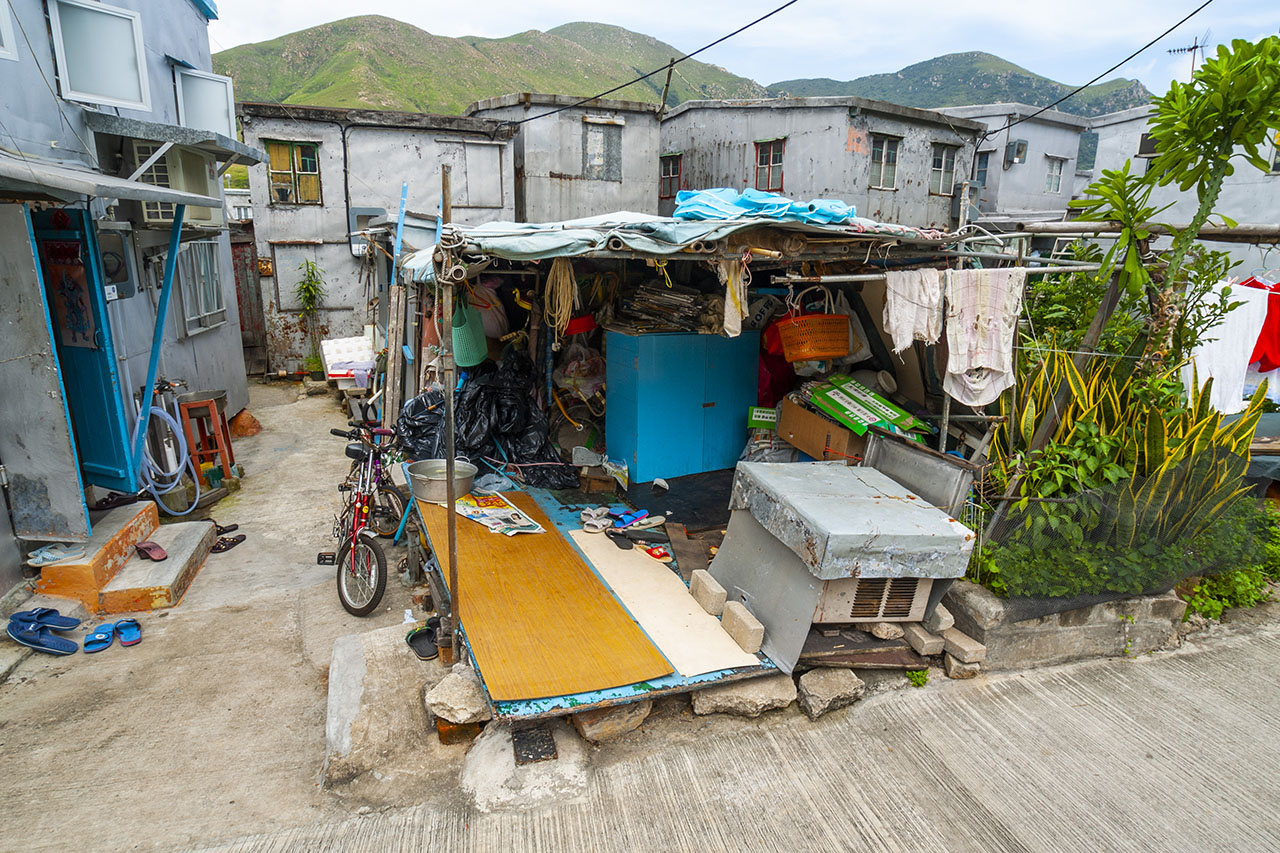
point(707, 405)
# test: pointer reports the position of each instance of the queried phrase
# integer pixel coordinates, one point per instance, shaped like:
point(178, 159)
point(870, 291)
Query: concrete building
point(894, 164)
point(237, 206)
point(1248, 196)
point(1027, 171)
point(333, 173)
point(580, 160)
point(115, 130)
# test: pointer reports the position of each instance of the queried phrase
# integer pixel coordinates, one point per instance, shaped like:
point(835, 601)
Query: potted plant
point(310, 294)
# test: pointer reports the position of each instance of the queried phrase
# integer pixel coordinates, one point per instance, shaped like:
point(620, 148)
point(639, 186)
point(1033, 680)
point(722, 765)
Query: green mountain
point(972, 78)
point(380, 63)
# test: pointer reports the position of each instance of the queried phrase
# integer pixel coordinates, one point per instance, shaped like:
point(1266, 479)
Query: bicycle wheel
point(386, 508)
point(360, 586)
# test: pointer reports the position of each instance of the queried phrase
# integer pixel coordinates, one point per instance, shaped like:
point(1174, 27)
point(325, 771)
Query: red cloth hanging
point(1266, 352)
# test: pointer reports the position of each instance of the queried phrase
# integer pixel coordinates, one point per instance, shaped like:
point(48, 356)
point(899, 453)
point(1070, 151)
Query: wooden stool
point(214, 434)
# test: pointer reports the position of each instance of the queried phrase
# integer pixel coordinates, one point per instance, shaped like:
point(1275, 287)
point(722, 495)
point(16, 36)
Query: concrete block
point(1168, 607)
point(491, 777)
point(963, 647)
point(975, 609)
point(146, 585)
point(749, 698)
point(707, 591)
point(827, 689)
point(606, 724)
point(921, 640)
point(939, 620)
point(458, 698)
point(745, 629)
point(881, 630)
point(959, 669)
point(108, 550)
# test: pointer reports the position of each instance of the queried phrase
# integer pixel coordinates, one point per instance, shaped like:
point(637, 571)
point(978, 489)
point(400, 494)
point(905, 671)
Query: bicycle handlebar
point(342, 433)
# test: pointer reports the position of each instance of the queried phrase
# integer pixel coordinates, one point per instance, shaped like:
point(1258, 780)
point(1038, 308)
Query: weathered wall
point(827, 154)
point(1248, 196)
point(380, 159)
point(1021, 187)
point(550, 153)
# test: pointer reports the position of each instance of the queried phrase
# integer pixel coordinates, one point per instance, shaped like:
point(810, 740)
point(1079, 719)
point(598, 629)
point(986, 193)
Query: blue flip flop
point(101, 638)
point(41, 638)
point(47, 617)
point(130, 632)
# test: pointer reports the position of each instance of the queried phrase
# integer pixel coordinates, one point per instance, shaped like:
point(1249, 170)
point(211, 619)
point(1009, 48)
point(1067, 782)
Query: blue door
point(73, 283)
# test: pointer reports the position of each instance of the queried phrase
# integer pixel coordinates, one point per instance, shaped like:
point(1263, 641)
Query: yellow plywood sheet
point(690, 637)
point(538, 620)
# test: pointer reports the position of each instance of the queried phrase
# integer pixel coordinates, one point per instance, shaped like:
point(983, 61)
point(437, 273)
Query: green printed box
point(859, 408)
point(761, 417)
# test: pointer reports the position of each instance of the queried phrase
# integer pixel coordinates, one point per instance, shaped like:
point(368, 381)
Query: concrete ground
point(210, 735)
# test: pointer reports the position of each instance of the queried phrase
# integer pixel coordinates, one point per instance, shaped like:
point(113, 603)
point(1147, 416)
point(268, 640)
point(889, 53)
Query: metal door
point(71, 265)
point(253, 331)
point(46, 495)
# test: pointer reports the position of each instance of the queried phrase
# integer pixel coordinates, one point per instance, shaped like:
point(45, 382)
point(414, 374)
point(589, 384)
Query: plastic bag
point(859, 349)
point(581, 370)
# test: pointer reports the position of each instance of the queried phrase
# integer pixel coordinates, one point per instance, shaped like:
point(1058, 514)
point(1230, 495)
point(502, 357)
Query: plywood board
point(538, 620)
point(689, 636)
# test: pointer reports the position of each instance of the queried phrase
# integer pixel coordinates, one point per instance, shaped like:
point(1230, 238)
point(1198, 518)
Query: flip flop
point(631, 518)
point(114, 500)
point(620, 540)
point(55, 553)
point(47, 617)
point(423, 642)
point(226, 543)
point(101, 638)
point(130, 632)
point(151, 551)
point(647, 523)
point(596, 525)
point(224, 529)
point(594, 514)
point(41, 638)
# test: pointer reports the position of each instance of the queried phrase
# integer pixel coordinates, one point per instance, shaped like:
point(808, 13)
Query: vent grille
point(867, 598)
point(900, 597)
point(873, 600)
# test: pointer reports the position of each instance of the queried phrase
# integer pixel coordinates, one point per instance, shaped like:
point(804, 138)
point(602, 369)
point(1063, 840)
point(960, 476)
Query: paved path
point(1170, 752)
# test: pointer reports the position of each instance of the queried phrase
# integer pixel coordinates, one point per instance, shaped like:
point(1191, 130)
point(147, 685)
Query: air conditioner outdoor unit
point(873, 600)
point(178, 169)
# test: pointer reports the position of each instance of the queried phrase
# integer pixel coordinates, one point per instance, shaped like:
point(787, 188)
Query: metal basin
point(427, 478)
point(219, 398)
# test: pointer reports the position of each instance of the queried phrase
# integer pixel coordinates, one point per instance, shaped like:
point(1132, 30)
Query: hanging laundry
point(982, 321)
point(1253, 378)
point(735, 276)
point(1267, 350)
point(1226, 356)
point(912, 307)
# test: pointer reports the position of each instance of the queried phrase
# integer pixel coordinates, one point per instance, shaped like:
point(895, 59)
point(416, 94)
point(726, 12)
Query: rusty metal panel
point(45, 491)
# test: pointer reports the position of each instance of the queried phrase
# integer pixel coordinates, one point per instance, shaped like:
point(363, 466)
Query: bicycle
point(387, 499)
point(361, 562)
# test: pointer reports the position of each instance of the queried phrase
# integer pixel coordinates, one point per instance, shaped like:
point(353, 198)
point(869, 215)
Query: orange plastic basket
point(812, 337)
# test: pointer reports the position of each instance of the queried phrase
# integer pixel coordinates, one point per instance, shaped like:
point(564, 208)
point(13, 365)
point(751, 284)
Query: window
point(669, 166)
point(1053, 178)
point(942, 177)
point(8, 47)
point(980, 173)
point(205, 102)
point(198, 279)
point(884, 162)
point(601, 149)
point(99, 53)
point(769, 165)
point(294, 170)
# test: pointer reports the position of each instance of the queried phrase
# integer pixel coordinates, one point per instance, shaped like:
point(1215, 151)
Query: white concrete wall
point(827, 155)
point(380, 158)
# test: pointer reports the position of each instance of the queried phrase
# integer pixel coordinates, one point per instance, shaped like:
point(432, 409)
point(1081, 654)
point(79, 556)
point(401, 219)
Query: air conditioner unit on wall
point(178, 169)
point(873, 600)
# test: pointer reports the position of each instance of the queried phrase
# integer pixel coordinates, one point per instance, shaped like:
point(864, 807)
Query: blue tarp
point(727, 203)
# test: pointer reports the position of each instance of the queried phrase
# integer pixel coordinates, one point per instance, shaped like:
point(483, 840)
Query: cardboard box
point(859, 408)
point(760, 417)
point(813, 434)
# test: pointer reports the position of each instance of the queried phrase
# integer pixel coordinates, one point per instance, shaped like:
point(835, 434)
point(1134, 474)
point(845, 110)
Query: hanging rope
point(562, 298)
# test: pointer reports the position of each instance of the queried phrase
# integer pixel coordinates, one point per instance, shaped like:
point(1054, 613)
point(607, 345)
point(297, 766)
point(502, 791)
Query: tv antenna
point(1197, 45)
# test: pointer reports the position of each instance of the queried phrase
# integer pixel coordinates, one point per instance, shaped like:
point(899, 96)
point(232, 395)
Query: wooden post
point(450, 446)
point(395, 356)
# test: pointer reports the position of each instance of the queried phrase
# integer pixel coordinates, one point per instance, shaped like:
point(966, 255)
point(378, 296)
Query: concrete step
point(147, 585)
point(108, 549)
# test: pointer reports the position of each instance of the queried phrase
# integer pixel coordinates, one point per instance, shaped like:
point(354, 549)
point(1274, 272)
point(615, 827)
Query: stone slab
point(606, 724)
point(823, 690)
point(939, 620)
point(924, 642)
point(144, 584)
point(957, 668)
point(749, 698)
point(963, 647)
point(108, 550)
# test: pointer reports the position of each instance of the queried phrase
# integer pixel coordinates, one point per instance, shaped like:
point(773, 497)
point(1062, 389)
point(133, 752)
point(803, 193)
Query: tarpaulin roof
point(640, 233)
point(30, 176)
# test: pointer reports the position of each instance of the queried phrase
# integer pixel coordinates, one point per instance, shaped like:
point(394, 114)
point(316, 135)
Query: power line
point(659, 70)
point(1079, 89)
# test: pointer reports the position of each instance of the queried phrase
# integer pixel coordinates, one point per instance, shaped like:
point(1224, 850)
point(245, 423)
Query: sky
point(1068, 42)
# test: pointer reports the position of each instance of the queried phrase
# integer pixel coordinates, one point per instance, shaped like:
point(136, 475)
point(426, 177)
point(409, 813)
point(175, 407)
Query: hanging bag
point(469, 345)
point(813, 337)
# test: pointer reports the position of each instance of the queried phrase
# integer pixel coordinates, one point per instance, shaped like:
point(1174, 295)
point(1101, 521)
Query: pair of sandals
point(225, 543)
point(423, 640)
point(55, 553)
point(105, 634)
point(36, 629)
point(601, 519)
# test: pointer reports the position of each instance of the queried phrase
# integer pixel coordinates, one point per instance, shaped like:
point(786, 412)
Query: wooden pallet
point(538, 620)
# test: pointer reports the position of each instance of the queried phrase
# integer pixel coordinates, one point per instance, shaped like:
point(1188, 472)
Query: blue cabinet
point(678, 402)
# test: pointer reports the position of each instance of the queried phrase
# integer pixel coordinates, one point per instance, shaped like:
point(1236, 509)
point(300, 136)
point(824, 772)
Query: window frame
point(944, 188)
point(1050, 175)
point(665, 188)
point(8, 45)
point(982, 167)
point(771, 145)
point(68, 93)
point(195, 321)
point(877, 181)
point(607, 126)
point(294, 171)
point(206, 75)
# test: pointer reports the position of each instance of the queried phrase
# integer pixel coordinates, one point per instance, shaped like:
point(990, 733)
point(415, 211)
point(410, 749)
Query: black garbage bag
point(495, 418)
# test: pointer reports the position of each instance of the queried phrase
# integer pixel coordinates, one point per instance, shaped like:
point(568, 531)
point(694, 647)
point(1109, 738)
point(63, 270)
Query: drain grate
point(533, 744)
